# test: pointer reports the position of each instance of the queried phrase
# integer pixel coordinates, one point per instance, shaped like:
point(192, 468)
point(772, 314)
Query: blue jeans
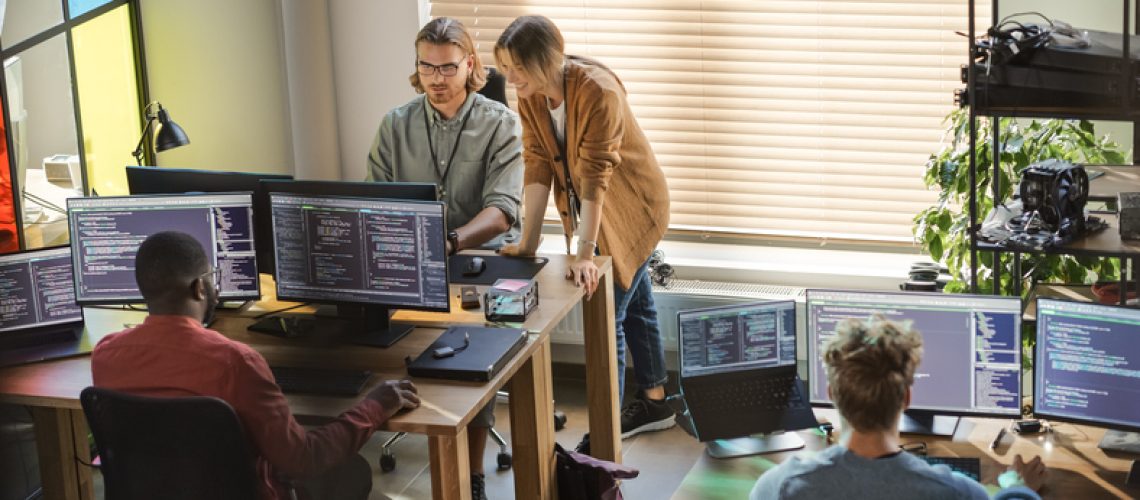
point(635, 322)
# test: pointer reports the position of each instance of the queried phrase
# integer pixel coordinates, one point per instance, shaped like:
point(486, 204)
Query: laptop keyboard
point(319, 381)
point(970, 467)
point(779, 392)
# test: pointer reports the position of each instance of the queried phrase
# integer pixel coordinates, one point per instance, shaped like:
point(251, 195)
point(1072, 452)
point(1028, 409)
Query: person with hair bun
point(870, 371)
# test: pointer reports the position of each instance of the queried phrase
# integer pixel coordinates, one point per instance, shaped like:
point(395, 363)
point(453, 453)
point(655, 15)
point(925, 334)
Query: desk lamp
point(167, 135)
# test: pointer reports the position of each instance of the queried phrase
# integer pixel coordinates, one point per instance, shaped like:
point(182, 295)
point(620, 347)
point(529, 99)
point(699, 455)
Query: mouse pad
point(497, 267)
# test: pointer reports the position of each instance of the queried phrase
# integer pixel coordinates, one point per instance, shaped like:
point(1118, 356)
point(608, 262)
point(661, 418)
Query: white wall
point(372, 58)
point(218, 67)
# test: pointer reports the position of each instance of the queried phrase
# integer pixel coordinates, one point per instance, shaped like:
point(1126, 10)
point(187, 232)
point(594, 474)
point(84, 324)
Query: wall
point(372, 58)
point(218, 67)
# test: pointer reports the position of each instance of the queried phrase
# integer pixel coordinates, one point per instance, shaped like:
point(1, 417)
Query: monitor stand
point(1127, 442)
point(754, 445)
point(370, 325)
point(926, 423)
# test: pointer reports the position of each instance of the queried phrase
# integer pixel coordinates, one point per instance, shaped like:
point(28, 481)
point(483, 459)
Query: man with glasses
point(171, 354)
point(466, 144)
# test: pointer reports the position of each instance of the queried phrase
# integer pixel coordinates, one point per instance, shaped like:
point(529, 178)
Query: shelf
point(1079, 293)
point(1103, 243)
point(1116, 179)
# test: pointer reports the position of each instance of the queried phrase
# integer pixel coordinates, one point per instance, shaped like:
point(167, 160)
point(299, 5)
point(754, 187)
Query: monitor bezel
point(391, 307)
point(1037, 355)
point(774, 303)
point(33, 330)
point(813, 354)
point(253, 295)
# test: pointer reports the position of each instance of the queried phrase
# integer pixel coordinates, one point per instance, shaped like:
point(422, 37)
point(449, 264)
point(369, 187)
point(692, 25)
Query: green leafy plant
point(941, 229)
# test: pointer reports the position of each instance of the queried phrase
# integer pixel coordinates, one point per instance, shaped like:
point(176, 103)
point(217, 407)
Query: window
point(798, 118)
point(71, 109)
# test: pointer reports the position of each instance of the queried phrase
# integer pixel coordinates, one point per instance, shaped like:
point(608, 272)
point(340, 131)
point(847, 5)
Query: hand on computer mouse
point(396, 395)
point(474, 267)
point(1032, 473)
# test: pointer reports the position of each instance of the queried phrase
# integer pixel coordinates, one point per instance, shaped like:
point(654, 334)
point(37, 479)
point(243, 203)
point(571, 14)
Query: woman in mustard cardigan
point(580, 139)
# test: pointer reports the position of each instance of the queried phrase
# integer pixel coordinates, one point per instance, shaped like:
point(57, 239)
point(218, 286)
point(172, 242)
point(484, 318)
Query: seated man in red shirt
point(172, 354)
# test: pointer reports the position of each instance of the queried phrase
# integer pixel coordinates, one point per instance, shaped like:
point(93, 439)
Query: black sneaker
point(645, 415)
point(478, 489)
point(583, 445)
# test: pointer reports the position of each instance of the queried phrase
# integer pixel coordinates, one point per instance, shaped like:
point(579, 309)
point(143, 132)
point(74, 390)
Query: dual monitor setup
point(367, 248)
point(1086, 359)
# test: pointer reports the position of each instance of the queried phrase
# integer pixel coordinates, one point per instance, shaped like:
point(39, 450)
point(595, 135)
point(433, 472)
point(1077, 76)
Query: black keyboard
point(969, 466)
point(779, 392)
point(320, 381)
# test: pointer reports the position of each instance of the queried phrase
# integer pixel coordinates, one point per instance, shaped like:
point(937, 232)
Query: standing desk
point(52, 389)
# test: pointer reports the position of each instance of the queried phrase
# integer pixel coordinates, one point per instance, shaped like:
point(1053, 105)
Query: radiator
point(691, 294)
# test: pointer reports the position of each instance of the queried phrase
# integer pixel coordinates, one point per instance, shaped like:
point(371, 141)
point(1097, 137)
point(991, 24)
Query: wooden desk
point(1077, 468)
point(52, 389)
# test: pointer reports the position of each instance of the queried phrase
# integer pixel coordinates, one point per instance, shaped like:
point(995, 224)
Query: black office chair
point(495, 89)
point(171, 448)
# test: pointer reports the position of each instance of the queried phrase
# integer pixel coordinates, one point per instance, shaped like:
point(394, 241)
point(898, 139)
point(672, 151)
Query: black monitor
point(392, 190)
point(378, 254)
point(154, 180)
point(36, 291)
point(1087, 364)
point(971, 343)
point(106, 233)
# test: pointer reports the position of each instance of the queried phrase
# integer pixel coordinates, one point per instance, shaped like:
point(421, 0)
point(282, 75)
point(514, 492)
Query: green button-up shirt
point(487, 169)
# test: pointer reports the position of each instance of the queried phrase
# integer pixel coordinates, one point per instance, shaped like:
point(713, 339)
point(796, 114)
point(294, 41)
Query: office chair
point(495, 89)
point(171, 448)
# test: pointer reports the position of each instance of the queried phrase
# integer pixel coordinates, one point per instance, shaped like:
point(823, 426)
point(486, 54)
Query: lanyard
point(454, 147)
point(571, 195)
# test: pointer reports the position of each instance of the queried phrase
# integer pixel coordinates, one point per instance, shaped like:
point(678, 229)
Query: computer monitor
point(737, 338)
point(971, 343)
point(36, 290)
point(377, 253)
point(106, 233)
point(154, 180)
point(392, 190)
point(1087, 364)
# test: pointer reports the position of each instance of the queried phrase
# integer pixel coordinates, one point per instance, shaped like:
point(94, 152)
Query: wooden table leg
point(450, 467)
point(532, 427)
point(61, 438)
point(601, 372)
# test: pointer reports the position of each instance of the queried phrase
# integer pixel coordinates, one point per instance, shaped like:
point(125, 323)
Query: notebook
point(39, 319)
point(487, 352)
point(738, 370)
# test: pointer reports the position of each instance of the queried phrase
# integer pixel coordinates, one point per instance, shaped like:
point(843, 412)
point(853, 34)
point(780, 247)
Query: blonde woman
point(581, 140)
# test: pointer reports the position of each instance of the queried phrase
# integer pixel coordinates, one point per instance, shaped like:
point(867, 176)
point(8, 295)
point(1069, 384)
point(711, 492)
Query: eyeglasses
point(429, 69)
point(215, 274)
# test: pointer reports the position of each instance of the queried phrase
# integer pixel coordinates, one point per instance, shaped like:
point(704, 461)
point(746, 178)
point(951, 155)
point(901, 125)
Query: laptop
point(738, 370)
point(39, 319)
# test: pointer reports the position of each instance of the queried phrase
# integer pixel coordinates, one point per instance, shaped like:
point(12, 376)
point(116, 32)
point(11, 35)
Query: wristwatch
point(453, 238)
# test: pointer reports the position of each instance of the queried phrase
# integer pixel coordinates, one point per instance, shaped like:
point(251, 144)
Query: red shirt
point(177, 356)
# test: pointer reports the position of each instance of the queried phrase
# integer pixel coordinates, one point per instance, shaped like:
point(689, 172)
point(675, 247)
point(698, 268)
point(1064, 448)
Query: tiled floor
point(663, 457)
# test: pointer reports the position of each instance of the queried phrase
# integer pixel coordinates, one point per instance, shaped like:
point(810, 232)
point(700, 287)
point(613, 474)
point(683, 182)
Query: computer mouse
point(474, 267)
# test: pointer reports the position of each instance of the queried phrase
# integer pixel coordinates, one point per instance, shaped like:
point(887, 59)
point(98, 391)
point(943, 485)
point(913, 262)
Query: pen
point(997, 439)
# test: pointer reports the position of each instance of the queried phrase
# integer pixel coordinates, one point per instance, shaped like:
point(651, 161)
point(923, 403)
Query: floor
point(662, 457)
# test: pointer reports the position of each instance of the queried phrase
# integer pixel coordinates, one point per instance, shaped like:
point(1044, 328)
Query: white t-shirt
point(558, 118)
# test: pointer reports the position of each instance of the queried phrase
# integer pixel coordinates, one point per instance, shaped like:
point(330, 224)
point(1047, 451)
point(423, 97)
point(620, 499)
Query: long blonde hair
point(534, 45)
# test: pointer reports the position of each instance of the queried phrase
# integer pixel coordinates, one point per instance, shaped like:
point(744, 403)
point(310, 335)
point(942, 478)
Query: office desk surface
point(52, 388)
point(1077, 468)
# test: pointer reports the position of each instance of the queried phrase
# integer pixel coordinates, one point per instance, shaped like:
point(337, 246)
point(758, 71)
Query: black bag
point(582, 477)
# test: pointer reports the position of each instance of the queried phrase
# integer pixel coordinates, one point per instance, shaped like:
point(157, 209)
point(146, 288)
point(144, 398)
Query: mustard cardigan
point(610, 161)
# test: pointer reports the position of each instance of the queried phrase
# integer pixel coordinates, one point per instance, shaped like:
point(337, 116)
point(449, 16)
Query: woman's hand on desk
point(396, 395)
point(585, 274)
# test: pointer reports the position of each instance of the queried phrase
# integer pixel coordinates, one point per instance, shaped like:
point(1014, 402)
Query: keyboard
point(320, 381)
point(968, 466)
point(779, 392)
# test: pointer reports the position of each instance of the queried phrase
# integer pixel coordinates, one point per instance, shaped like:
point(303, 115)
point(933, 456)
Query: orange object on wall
point(9, 239)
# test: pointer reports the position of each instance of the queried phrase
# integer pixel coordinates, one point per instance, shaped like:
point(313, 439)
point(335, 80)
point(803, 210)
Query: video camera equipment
point(1050, 211)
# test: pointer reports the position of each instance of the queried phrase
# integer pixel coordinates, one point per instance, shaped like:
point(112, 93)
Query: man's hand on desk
point(1031, 474)
point(396, 395)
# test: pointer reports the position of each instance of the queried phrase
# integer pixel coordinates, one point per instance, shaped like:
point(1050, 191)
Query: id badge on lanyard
point(574, 205)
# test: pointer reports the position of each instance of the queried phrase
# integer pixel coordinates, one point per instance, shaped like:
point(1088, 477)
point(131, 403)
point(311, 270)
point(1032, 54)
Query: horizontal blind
point(796, 118)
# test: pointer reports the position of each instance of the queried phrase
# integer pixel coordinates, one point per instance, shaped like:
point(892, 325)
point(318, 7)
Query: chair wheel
point(504, 461)
point(559, 420)
point(387, 463)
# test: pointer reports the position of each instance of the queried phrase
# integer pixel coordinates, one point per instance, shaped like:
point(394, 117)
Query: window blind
point(795, 118)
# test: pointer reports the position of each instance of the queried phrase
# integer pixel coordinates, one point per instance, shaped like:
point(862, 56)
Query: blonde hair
point(870, 367)
point(534, 45)
point(443, 31)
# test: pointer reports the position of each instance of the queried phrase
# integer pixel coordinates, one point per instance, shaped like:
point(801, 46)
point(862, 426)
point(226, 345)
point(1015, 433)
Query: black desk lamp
point(167, 135)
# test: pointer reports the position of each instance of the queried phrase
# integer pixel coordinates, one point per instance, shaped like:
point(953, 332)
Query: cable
point(275, 311)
